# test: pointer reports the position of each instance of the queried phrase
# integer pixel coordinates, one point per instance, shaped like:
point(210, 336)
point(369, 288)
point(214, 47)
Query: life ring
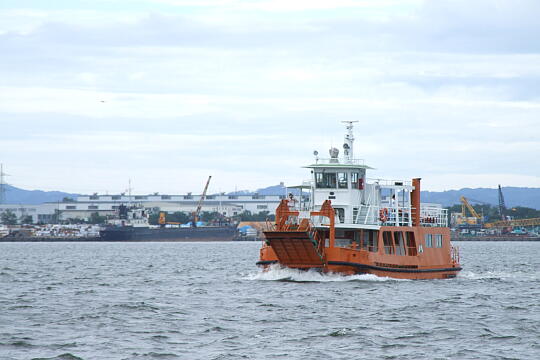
point(383, 214)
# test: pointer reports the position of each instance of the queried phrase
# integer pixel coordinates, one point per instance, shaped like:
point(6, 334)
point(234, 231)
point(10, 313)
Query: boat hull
point(347, 268)
point(167, 234)
point(417, 260)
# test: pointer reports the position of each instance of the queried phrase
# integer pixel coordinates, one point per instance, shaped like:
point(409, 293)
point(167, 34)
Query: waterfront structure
point(40, 213)
point(82, 207)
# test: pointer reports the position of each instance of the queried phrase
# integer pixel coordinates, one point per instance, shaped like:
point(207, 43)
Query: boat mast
point(348, 143)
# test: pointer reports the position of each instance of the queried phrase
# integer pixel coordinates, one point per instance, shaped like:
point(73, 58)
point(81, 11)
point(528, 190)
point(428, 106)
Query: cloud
point(245, 90)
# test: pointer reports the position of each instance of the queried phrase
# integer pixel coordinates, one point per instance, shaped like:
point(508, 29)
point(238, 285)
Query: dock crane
point(502, 206)
point(505, 223)
point(194, 215)
point(200, 203)
point(465, 205)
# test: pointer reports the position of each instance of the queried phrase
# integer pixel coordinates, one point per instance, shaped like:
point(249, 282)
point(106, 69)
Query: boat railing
point(390, 182)
point(455, 254)
point(433, 216)
point(379, 215)
point(332, 161)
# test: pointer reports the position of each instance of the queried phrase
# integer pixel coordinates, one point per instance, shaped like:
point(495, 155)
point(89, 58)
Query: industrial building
point(83, 206)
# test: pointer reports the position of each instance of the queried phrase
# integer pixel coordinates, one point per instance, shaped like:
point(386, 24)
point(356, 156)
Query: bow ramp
point(296, 249)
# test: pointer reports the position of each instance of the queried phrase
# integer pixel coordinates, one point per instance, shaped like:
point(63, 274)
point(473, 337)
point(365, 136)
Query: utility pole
point(2, 184)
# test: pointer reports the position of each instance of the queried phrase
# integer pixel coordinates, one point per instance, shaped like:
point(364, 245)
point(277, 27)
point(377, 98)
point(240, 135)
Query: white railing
point(379, 215)
point(324, 161)
point(433, 216)
point(386, 182)
point(400, 216)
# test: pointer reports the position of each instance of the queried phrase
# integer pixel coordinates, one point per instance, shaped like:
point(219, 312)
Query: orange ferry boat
point(356, 225)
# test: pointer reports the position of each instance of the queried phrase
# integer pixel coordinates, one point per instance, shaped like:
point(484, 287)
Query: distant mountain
point(15, 195)
point(513, 196)
point(280, 189)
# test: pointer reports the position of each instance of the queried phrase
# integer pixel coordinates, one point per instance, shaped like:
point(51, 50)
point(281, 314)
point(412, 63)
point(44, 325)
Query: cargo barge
point(132, 225)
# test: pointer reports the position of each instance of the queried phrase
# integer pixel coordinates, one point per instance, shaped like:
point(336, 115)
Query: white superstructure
point(360, 201)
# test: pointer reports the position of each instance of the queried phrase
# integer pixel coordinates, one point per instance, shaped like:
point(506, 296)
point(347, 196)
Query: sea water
point(209, 301)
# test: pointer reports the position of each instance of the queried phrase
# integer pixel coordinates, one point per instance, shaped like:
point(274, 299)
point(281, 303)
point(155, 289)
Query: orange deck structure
point(365, 232)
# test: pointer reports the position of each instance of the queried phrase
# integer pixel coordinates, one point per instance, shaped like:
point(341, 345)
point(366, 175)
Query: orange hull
point(404, 252)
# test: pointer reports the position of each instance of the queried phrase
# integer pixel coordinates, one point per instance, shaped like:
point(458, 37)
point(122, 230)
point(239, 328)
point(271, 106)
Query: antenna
point(349, 140)
point(129, 192)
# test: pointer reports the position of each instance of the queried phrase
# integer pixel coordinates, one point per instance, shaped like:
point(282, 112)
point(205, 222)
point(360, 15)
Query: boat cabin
point(361, 202)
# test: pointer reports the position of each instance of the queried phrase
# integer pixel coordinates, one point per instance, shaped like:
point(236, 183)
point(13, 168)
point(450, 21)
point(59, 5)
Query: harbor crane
point(465, 205)
point(514, 223)
point(197, 211)
point(502, 206)
point(194, 215)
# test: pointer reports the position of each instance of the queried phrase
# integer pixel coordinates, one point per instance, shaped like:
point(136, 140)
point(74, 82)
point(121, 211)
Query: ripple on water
point(65, 356)
point(166, 300)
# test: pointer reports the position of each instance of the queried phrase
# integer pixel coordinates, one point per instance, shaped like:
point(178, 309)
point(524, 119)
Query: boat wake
point(279, 273)
point(499, 275)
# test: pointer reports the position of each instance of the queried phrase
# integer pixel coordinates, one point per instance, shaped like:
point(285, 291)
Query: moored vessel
point(355, 225)
point(132, 225)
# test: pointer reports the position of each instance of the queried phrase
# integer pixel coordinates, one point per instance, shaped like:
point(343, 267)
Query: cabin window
point(387, 242)
point(344, 239)
point(371, 237)
point(399, 243)
point(342, 181)
point(325, 180)
point(438, 240)
point(340, 214)
point(429, 240)
point(367, 240)
point(411, 243)
point(354, 180)
point(362, 239)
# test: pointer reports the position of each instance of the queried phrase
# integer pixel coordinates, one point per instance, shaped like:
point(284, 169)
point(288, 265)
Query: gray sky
point(167, 92)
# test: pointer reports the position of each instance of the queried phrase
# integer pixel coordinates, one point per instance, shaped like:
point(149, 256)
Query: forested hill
point(513, 196)
point(14, 195)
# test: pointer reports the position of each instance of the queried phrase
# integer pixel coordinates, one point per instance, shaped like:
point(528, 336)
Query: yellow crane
point(465, 205)
point(513, 223)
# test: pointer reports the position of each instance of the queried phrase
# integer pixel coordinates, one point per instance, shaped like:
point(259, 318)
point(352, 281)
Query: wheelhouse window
point(325, 180)
point(428, 240)
point(342, 181)
point(354, 180)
